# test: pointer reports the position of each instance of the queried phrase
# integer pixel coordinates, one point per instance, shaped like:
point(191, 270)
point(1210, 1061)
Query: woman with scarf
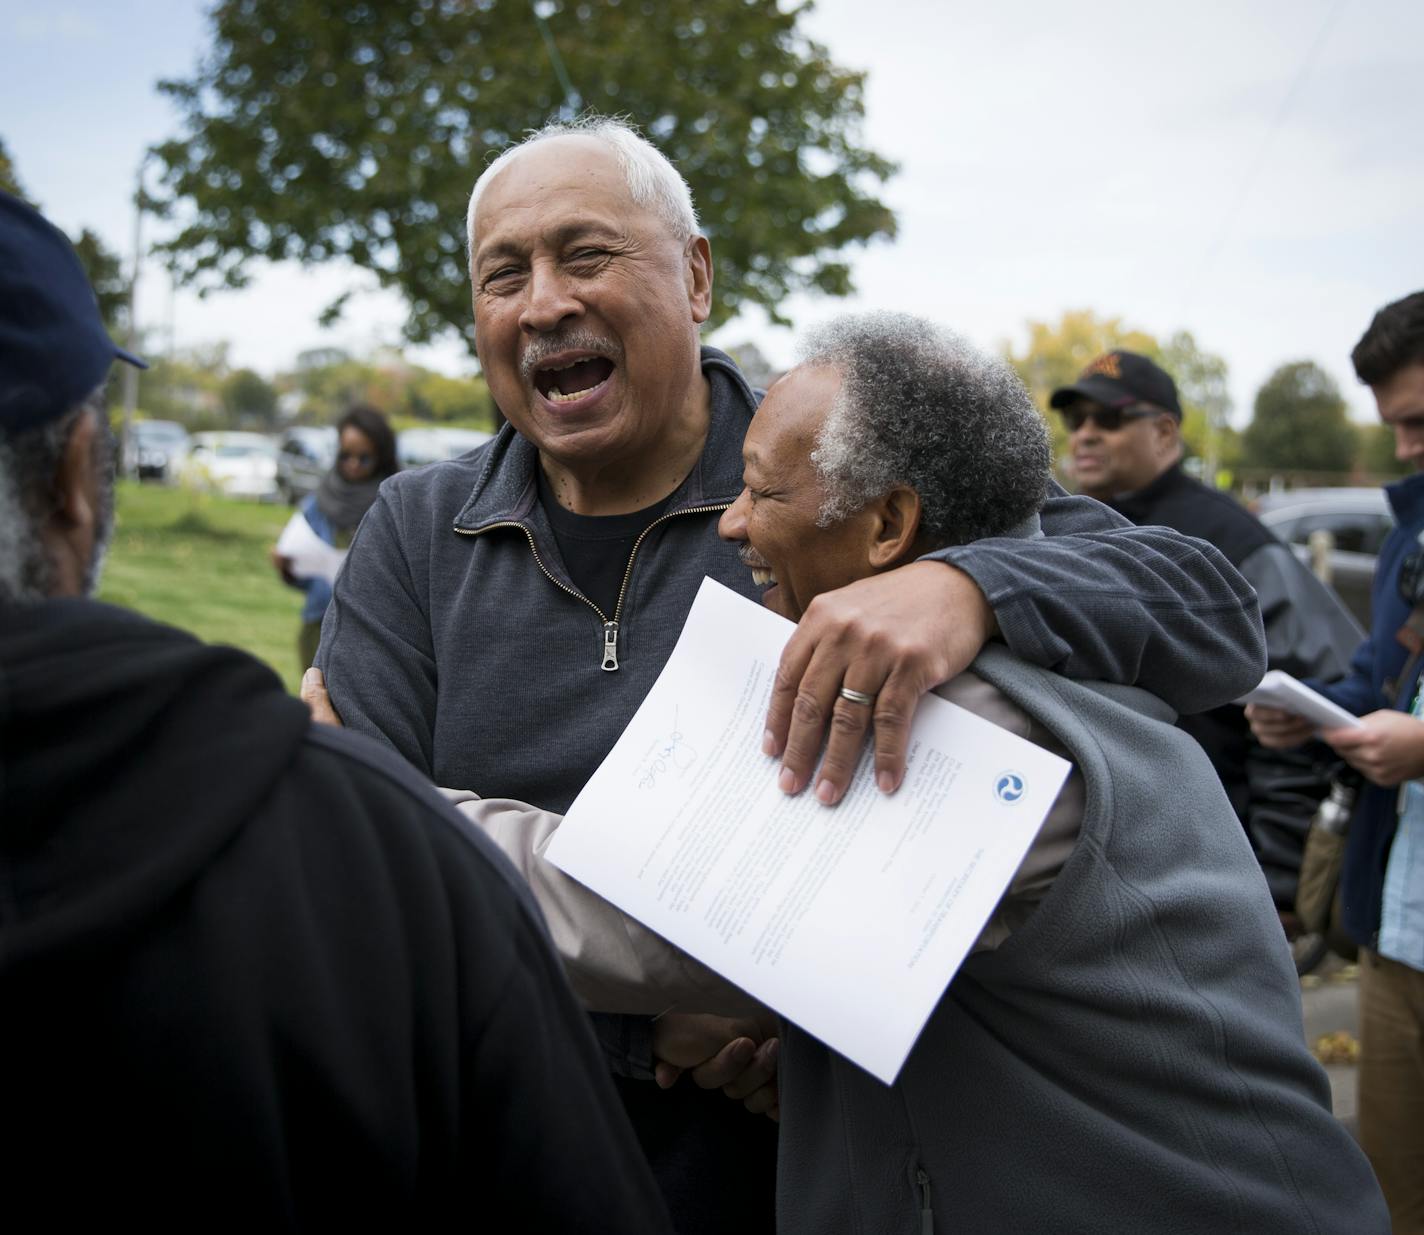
point(366, 455)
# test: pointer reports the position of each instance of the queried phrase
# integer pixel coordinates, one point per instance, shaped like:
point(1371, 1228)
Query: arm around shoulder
point(1095, 597)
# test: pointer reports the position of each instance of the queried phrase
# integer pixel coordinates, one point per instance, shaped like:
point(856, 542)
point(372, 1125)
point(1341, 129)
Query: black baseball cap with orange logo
point(1119, 379)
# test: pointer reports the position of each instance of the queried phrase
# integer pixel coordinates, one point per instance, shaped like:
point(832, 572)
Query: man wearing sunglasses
point(1124, 423)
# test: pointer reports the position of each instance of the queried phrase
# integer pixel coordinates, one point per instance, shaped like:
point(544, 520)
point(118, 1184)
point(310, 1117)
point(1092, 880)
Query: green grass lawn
point(200, 562)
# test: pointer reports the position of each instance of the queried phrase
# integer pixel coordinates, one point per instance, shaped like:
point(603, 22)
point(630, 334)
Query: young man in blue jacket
point(1382, 883)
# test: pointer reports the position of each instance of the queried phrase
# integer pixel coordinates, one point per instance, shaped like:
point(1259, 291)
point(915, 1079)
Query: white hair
point(653, 182)
point(28, 463)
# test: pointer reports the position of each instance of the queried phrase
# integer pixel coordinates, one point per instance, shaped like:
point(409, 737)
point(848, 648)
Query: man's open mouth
point(762, 574)
point(567, 381)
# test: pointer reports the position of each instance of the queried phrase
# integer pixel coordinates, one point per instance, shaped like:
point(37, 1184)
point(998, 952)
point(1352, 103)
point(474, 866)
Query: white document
point(849, 921)
point(1280, 690)
point(311, 557)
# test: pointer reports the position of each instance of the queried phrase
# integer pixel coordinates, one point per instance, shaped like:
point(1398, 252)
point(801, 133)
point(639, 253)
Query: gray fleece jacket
point(1130, 1060)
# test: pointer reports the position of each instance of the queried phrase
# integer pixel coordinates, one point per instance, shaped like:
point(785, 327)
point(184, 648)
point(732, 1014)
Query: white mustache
point(541, 347)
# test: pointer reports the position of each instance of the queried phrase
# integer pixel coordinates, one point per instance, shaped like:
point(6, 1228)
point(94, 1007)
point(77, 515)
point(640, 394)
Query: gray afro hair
point(921, 406)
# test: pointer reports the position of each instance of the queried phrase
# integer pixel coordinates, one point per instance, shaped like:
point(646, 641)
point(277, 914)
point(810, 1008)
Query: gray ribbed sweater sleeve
point(1097, 598)
point(376, 650)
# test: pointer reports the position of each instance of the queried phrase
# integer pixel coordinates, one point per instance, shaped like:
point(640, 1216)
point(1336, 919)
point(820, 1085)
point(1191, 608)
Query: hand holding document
point(849, 921)
point(1280, 690)
point(310, 556)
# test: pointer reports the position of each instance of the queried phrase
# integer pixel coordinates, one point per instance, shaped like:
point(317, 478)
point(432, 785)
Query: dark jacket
point(1309, 633)
point(1130, 1060)
point(256, 975)
point(1371, 684)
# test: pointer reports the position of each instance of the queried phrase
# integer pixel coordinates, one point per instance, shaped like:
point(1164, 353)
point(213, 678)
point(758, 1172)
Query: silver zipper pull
point(610, 646)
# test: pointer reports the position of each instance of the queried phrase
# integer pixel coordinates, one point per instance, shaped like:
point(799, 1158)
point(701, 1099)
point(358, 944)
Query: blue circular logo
point(1009, 787)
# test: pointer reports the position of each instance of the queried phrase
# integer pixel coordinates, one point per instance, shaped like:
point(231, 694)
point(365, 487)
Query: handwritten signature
point(671, 754)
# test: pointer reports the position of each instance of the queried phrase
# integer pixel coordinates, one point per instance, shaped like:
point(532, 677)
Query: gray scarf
point(343, 502)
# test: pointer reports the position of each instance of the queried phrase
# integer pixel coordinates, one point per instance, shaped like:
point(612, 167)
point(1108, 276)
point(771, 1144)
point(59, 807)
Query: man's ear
point(1167, 430)
point(69, 530)
point(895, 529)
point(699, 278)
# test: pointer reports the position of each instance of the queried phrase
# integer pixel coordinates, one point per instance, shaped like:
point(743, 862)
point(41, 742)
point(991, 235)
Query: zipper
point(608, 645)
point(926, 1213)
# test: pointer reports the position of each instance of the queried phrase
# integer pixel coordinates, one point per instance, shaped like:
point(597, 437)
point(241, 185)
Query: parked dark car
point(156, 449)
point(1357, 519)
point(304, 455)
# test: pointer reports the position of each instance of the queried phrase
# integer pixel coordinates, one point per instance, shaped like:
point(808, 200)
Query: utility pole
point(130, 373)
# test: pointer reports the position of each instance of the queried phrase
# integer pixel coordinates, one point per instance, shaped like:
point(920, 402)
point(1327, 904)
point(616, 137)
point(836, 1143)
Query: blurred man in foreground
point(1123, 1052)
point(255, 975)
point(1382, 883)
point(501, 616)
point(1124, 422)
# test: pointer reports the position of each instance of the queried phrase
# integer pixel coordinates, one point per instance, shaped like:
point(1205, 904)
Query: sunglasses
point(1108, 419)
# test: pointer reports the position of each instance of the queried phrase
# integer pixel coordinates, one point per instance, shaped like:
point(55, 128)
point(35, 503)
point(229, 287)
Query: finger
point(726, 1065)
point(845, 742)
point(815, 705)
point(666, 1074)
point(759, 1074)
point(313, 694)
point(762, 1100)
point(795, 656)
point(894, 710)
point(775, 1113)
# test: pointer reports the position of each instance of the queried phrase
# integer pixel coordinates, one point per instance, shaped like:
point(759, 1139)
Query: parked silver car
point(417, 447)
point(1357, 519)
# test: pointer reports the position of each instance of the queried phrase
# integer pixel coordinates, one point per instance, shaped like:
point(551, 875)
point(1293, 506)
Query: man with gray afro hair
point(921, 406)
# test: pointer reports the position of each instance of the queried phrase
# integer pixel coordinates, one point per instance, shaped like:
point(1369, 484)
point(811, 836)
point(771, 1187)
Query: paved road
point(1331, 1005)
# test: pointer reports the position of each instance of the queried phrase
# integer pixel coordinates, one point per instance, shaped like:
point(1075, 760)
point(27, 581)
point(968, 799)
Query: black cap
point(1119, 379)
point(53, 347)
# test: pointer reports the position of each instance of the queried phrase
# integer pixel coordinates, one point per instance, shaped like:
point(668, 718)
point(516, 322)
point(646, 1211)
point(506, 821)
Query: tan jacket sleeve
point(614, 963)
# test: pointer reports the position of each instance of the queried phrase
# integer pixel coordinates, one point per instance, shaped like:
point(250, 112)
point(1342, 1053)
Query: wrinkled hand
point(318, 702)
point(733, 1054)
point(894, 636)
point(1387, 747)
point(1277, 729)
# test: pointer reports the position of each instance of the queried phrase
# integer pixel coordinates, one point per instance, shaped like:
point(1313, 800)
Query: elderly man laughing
point(500, 617)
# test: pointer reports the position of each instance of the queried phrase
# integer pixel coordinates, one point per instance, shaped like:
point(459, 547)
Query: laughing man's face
point(586, 305)
point(774, 521)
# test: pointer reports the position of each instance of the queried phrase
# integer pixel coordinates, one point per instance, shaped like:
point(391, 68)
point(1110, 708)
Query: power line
point(1228, 223)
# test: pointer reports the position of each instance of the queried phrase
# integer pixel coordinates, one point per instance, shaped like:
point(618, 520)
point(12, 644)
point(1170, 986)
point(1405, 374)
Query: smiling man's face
point(774, 519)
point(586, 305)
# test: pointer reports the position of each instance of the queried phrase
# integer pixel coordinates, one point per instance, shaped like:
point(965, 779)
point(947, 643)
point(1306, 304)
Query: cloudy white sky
point(1250, 171)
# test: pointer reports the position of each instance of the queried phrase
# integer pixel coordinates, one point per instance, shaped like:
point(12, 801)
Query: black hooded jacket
point(255, 974)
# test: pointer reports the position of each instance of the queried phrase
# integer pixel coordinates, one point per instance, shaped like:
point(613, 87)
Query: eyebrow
point(561, 236)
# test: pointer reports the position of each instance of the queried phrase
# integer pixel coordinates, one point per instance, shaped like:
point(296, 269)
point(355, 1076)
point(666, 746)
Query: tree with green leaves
point(1299, 423)
point(355, 129)
point(248, 398)
point(9, 179)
